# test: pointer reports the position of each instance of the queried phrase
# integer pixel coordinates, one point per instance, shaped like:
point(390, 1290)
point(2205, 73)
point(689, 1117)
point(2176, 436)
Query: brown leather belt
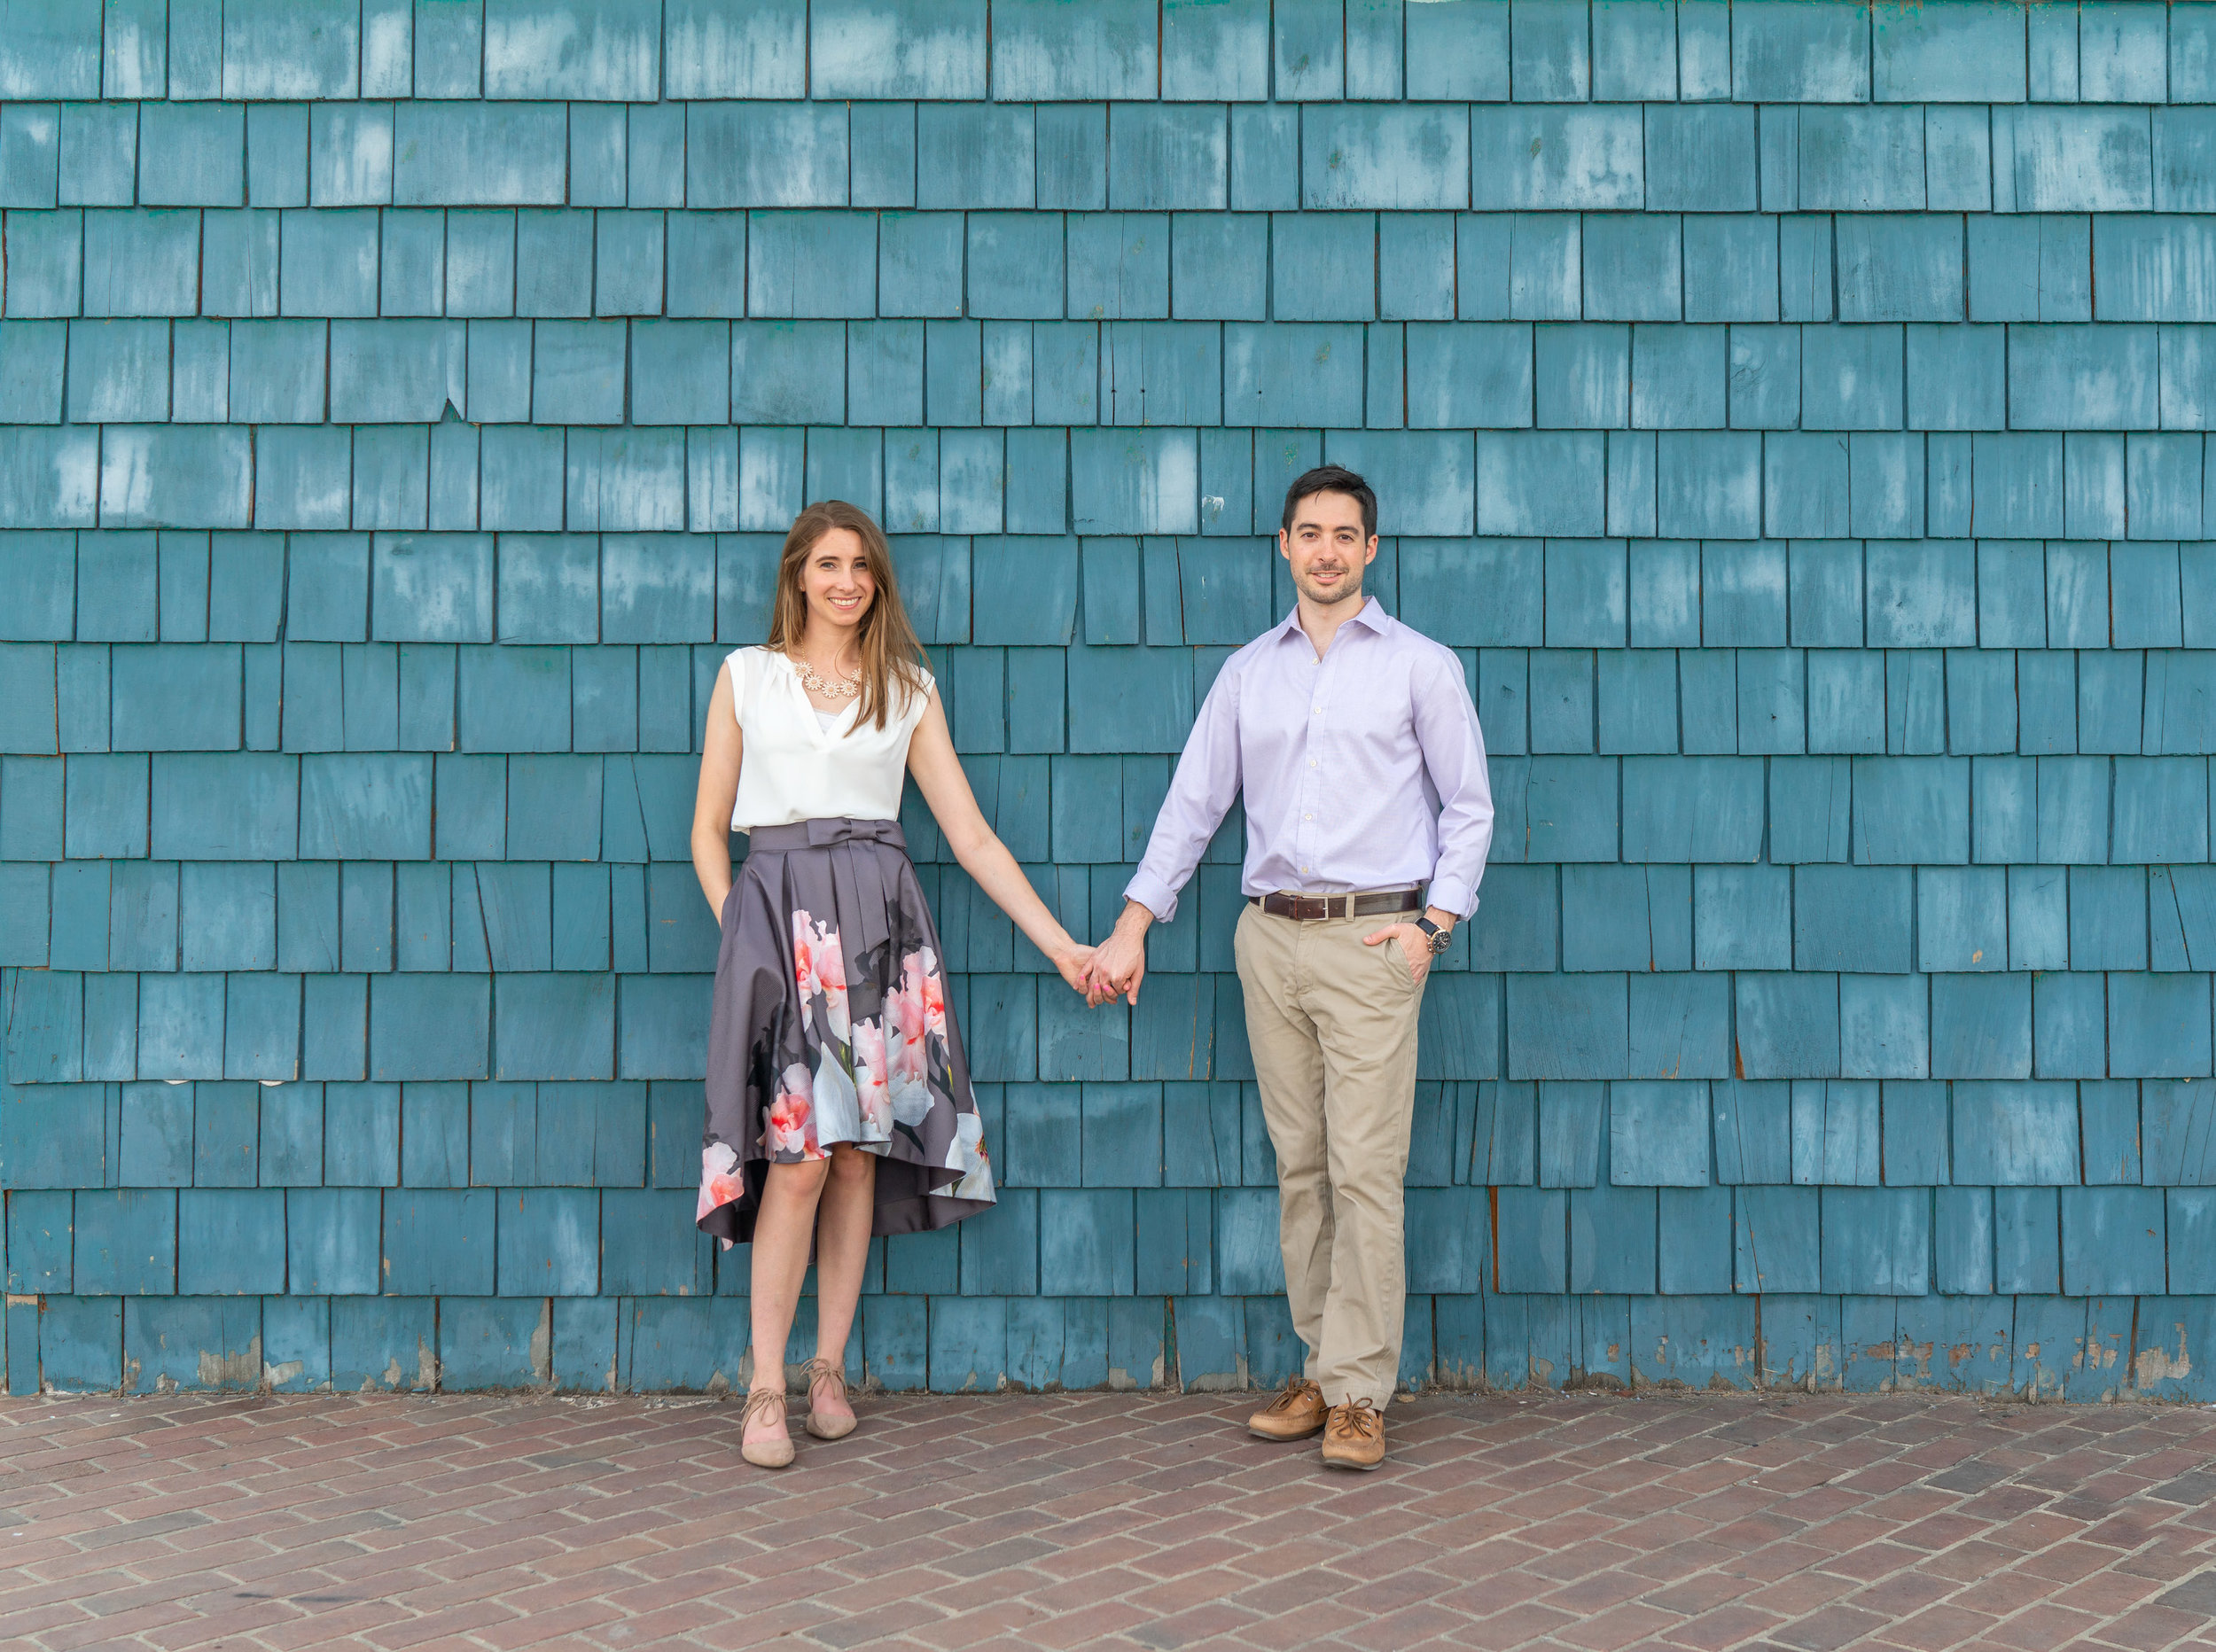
point(1308, 908)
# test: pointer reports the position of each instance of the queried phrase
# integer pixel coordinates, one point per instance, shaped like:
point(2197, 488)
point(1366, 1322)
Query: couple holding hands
point(839, 1100)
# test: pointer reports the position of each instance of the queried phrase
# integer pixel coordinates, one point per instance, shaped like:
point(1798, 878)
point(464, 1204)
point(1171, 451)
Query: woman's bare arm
point(946, 789)
point(719, 790)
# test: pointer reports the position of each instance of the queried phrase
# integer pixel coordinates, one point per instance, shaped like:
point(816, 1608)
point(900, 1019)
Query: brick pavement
point(1590, 1522)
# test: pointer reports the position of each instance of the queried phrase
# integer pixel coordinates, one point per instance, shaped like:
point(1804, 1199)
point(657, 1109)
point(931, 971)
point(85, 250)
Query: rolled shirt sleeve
point(1200, 794)
point(1454, 757)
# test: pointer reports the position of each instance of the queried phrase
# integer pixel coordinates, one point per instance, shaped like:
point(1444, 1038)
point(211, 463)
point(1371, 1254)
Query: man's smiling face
point(1327, 547)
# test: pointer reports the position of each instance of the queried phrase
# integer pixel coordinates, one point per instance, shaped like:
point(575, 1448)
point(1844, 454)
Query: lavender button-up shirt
point(1362, 770)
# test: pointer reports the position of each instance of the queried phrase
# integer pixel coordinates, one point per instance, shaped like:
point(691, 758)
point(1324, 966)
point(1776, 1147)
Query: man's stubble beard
point(1349, 593)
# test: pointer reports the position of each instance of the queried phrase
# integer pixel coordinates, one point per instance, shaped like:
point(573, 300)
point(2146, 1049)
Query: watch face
point(1441, 939)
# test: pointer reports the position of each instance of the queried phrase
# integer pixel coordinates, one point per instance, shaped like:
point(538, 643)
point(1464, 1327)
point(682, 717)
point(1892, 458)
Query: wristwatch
point(1440, 938)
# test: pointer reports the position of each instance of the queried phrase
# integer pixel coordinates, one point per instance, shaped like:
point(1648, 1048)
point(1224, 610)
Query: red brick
point(1727, 1627)
point(1691, 1521)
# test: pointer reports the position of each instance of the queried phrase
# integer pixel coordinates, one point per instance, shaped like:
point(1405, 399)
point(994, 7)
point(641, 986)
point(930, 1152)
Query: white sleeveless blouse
point(793, 765)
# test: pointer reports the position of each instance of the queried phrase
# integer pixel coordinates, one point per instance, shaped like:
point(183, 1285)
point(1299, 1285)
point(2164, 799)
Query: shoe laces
point(822, 1370)
point(1356, 1420)
point(1296, 1390)
point(758, 1402)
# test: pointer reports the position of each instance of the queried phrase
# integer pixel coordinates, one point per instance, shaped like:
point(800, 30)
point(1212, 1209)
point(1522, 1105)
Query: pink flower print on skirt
point(831, 1026)
point(720, 1180)
point(791, 1120)
point(820, 972)
point(873, 1083)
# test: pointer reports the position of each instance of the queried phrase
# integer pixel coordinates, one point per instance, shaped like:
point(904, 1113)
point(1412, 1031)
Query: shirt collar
point(1371, 616)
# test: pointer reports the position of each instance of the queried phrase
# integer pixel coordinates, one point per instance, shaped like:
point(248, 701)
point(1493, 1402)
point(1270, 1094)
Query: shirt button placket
point(1303, 849)
point(1317, 691)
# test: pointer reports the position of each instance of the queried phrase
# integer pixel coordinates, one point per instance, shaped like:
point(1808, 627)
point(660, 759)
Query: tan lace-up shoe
point(824, 1374)
point(1353, 1436)
point(1297, 1412)
point(775, 1450)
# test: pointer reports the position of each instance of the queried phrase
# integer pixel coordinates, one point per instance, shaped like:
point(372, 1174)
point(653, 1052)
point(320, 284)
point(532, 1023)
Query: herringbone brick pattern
point(1587, 1522)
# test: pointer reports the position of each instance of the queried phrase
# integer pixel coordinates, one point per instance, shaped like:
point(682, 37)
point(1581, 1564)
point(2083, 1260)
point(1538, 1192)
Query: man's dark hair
point(1333, 478)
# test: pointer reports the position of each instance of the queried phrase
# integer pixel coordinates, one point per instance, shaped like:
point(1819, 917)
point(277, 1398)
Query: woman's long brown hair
point(892, 659)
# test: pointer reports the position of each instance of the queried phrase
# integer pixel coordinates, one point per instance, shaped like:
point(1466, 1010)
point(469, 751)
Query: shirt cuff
point(1452, 895)
point(1153, 893)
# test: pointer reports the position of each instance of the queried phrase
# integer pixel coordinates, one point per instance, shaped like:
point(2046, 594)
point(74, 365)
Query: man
point(1358, 748)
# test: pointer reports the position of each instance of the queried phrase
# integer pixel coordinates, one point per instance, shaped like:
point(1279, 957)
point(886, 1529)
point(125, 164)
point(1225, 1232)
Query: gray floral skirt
point(830, 1025)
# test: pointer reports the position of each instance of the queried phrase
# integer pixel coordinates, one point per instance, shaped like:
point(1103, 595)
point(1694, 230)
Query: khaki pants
point(1332, 1026)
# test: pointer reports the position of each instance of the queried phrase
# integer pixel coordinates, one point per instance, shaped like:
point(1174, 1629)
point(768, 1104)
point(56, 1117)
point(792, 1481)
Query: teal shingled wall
point(1793, 413)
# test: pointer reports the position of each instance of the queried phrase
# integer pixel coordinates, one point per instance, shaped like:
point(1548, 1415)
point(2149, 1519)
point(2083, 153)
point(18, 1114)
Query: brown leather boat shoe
point(1353, 1436)
point(1297, 1412)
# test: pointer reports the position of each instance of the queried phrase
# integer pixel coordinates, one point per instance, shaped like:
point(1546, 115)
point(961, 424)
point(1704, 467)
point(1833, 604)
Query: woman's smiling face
point(835, 579)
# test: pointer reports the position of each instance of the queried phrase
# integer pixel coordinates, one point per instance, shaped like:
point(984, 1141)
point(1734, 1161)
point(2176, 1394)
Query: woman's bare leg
point(783, 1228)
point(843, 1217)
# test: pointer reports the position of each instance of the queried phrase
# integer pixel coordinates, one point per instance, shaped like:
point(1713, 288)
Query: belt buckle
point(1312, 907)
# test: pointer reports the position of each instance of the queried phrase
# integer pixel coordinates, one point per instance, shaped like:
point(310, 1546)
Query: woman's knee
point(851, 1165)
point(805, 1176)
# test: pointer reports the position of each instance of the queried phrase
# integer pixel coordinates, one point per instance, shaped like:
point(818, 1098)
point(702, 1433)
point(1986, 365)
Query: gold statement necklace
point(845, 687)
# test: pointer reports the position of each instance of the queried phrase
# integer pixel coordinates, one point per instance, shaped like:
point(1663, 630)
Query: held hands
point(1118, 964)
point(1083, 968)
point(1115, 967)
point(1074, 964)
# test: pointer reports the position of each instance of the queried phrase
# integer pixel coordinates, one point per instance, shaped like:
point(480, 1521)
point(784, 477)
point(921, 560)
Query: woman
point(838, 1099)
